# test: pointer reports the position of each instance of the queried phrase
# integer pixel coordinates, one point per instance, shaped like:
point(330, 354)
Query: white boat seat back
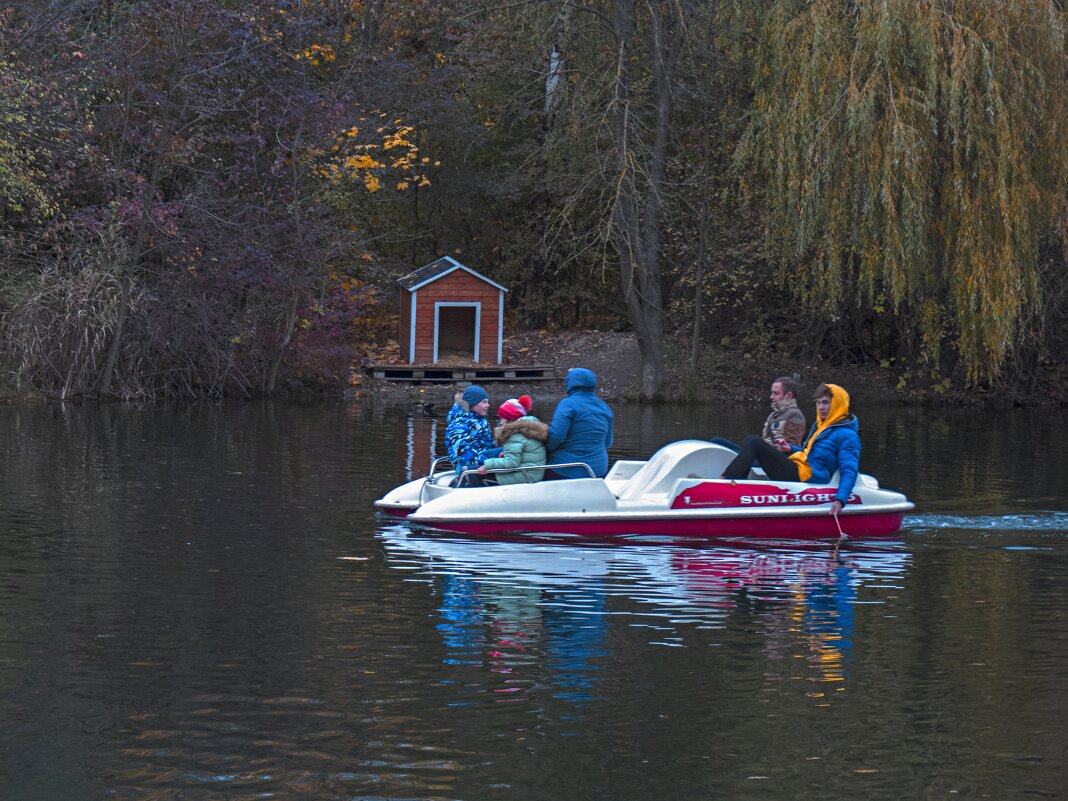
point(689, 458)
point(758, 474)
point(863, 479)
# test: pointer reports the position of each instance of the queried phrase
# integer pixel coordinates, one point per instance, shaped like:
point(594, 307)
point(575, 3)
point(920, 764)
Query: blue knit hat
point(474, 395)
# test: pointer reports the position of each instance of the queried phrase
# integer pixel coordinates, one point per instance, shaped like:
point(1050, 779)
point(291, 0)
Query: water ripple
point(1052, 521)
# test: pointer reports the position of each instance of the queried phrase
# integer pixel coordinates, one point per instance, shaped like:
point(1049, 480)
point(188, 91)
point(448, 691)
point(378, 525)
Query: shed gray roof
point(435, 270)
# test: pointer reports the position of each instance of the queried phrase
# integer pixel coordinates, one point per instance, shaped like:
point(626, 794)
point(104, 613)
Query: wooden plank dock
point(439, 374)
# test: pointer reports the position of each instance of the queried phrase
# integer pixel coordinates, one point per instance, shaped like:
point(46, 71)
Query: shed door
point(456, 332)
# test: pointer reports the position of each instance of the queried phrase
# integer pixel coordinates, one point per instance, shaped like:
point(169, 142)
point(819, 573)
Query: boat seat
point(690, 458)
point(758, 474)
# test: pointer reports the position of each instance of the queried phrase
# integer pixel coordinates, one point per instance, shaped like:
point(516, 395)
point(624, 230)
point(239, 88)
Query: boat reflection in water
point(525, 609)
point(807, 596)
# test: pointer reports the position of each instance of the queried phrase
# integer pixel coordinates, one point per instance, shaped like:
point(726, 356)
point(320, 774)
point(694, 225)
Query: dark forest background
point(205, 198)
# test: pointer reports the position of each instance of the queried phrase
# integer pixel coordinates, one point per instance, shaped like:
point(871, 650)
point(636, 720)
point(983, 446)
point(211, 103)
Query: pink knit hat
point(514, 408)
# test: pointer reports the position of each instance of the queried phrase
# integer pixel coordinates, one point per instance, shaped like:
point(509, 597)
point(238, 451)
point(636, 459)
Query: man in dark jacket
point(581, 428)
point(786, 420)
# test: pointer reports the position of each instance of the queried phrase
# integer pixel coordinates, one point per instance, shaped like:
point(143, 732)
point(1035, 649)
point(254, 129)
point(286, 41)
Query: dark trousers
point(474, 480)
point(755, 450)
point(726, 443)
point(552, 475)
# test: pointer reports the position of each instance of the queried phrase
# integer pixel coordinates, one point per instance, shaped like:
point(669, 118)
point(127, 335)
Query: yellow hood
point(839, 411)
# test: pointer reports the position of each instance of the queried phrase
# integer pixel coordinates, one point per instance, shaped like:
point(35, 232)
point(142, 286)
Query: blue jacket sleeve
point(848, 466)
point(560, 426)
point(466, 439)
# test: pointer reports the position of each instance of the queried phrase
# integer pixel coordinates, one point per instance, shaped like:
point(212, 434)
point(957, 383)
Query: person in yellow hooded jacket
point(832, 445)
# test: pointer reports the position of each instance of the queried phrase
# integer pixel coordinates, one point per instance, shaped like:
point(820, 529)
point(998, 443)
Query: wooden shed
point(449, 312)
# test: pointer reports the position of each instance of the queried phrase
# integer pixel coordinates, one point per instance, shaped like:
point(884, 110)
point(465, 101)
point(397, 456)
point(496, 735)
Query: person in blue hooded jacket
point(581, 428)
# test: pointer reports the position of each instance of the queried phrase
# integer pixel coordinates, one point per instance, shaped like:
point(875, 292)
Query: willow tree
point(912, 151)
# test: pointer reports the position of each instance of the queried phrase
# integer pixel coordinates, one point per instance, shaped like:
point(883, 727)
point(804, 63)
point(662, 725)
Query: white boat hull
point(677, 493)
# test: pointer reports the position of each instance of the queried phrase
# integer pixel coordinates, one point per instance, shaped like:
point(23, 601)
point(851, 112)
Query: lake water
point(200, 603)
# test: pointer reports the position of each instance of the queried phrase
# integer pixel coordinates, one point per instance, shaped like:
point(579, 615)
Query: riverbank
point(722, 375)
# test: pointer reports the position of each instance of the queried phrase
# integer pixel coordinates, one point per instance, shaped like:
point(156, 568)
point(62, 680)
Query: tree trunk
point(698, 290)
point(556, 65)
point(639, 197)
point(147, 204)
point(702, 244)
point(369, 27)
point(270, 375)
point(533, 303)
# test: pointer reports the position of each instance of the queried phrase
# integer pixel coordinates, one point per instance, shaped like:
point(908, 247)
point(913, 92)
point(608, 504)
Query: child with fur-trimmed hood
point(522, 439)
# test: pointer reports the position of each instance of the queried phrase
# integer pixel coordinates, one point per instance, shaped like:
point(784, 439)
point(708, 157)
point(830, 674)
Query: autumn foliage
point(205, 198)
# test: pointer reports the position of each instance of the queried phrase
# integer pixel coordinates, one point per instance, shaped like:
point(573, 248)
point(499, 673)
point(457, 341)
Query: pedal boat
point(676, 493)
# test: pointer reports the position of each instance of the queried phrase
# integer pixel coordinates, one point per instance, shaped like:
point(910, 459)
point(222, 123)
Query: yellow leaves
point(399, 138)
point(361, 162)
point(350, 159)
point(317, 54)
